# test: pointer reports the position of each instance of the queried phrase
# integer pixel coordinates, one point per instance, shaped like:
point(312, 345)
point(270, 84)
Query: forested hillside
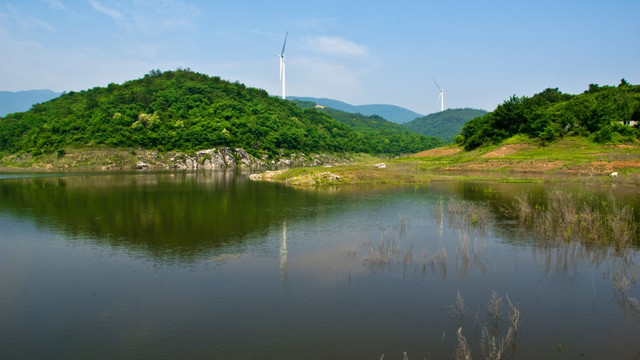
point(598, 113)
point(400, 139)
point(444, 125)
point(186, 111)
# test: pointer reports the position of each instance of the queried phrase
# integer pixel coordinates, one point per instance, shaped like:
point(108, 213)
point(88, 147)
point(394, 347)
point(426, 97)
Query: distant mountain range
point(20, 101)
point(444, 125)
point(396, 114)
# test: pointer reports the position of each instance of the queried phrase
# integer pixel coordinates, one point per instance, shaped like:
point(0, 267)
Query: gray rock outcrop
point(216, 159)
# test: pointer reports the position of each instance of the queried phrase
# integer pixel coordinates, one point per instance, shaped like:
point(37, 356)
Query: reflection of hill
point(177, 215)
point(183, 216)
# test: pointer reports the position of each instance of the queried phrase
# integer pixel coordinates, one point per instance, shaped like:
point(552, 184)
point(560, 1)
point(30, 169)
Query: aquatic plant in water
point(492, 345)
point(560, 216)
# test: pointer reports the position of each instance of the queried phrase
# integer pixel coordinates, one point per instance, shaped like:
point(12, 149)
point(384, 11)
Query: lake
point(212, 265)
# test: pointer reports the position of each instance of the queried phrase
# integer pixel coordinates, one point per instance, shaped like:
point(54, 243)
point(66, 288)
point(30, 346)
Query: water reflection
point(292, 260)
point(169, 216)
point(283, 253)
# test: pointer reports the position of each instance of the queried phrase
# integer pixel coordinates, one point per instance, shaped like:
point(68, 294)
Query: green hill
point(599, 113)
point(11, 102)
point(392, 113)
point(400, 138)
point(444, 125)
point(186, 111)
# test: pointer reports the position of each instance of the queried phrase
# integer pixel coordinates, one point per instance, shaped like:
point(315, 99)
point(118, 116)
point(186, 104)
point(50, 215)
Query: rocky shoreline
point(222, 158)
point(106, 159)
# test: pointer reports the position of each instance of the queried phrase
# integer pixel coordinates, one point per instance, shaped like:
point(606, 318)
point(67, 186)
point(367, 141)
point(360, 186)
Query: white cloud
point(55, 4)
point(336, 45)
point(312, 76)
point(150, 17)
point(165, 14)
point(112, 13)
point(316, 23)
point(24, 21)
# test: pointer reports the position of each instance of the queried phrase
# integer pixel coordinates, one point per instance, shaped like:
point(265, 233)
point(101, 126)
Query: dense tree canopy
point(186, 111)
point(598, 113)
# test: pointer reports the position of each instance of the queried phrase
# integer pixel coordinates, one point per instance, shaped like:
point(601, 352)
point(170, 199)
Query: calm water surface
point(212, 265)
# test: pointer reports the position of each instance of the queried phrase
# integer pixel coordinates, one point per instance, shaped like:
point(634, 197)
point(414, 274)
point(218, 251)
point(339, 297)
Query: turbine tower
point(282, 72)
point(441, 96)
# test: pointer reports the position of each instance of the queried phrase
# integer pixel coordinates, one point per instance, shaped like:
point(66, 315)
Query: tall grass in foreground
point(562, 217)
point(493, 346)
point(464, 214)
point(399, 250)
point(573, 231)
point(490, 341)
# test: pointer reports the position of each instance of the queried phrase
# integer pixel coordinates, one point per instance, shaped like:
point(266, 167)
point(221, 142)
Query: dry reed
point(514, 315)
point(463, 352)
point(560, 216)
point(468, 214)
point(460, 308)
point(492, 348)
point(494, 306)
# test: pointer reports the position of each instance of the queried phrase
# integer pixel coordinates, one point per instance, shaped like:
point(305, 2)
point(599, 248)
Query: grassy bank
point(84, 158)
point(516, 159)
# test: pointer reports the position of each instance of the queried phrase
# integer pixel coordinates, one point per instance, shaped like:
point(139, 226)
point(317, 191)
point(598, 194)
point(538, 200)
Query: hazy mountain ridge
point(358, 121)
point(444, 125)
point(393, 113)
point(17, 101)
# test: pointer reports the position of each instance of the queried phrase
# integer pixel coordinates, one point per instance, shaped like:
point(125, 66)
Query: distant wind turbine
point(282, 70)
point(441, 96)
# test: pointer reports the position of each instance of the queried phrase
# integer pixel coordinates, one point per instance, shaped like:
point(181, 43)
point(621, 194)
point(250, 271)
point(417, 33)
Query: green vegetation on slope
point(392, 138)
point(444, 125)
point(186, 111)
point(597, 113)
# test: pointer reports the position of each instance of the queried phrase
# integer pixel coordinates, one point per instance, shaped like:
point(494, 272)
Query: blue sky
point(360, 52)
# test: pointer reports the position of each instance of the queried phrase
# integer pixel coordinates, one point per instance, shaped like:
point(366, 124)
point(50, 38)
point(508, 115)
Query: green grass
point(568, 158)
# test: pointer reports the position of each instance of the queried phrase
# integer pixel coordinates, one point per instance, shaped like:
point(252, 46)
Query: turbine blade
point(434, 81)
point(281, 67)
point(285, 43)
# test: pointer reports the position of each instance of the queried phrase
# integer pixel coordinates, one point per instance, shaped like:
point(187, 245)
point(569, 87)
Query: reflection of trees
point(168, 216)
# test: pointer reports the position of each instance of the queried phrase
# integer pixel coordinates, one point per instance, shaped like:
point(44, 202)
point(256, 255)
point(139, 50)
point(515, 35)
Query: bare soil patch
point(505, 150)
point(437, 152)
point(516, 166)
point(607, 167)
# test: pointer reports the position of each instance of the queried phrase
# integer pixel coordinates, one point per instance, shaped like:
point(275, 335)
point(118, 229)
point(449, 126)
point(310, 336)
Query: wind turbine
point(282, 72)
point(441, 96)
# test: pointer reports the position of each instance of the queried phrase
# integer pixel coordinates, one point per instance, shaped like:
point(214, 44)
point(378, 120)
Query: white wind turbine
point(282, 72)
point(441, 96)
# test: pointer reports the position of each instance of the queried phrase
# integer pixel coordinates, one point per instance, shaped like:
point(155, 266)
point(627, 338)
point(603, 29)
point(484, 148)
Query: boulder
point(142, 166)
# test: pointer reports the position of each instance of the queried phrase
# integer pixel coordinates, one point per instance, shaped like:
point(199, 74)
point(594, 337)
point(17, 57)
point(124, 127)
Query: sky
point(359, 52)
